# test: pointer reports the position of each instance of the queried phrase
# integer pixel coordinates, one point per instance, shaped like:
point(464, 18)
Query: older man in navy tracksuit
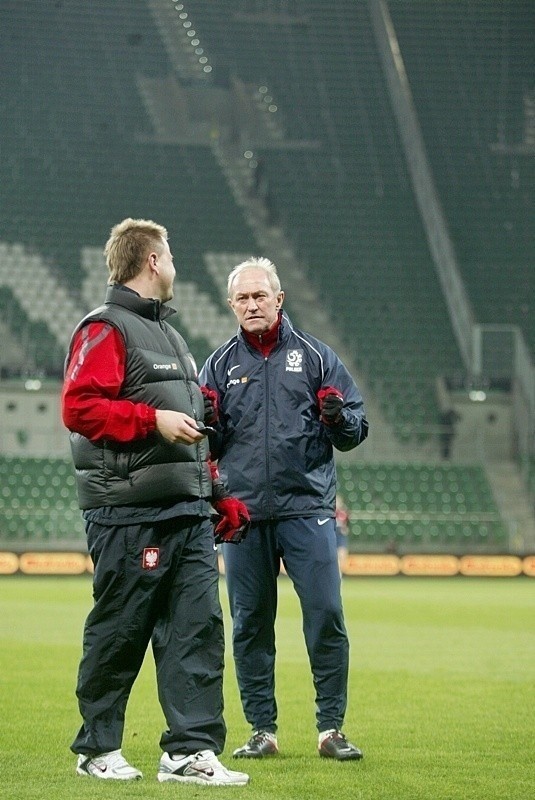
point(281, 400)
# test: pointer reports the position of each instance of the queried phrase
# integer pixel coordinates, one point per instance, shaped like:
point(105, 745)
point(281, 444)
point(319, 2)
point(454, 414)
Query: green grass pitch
point(442, 691)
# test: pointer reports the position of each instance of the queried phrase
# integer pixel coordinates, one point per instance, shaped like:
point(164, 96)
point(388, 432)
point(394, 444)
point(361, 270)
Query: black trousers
point(154, 582)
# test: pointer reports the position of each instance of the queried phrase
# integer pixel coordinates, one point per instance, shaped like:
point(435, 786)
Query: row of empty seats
point(392, 507)
point(38, 502)
point(421, 507)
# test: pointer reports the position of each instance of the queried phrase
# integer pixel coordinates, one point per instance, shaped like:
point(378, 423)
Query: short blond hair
point(129, 244)
point(256, 263)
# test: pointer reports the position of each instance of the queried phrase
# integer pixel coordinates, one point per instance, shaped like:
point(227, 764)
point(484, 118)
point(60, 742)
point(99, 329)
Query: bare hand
point(175, 427)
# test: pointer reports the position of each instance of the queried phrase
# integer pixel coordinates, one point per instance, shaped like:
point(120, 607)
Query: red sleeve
point(89, 400)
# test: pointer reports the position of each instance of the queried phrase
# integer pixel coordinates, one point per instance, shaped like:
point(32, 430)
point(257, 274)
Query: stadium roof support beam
point(434, 221)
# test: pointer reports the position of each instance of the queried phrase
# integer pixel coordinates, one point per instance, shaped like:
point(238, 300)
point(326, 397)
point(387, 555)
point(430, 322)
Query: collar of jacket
point(120, 295)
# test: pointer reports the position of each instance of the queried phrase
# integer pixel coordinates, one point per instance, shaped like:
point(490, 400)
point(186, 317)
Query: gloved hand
point(234, 520)
point(211, 405)
point(331, 402)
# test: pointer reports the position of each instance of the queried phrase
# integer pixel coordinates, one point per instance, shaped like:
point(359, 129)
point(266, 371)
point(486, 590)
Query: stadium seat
point(38, 502)
point(421, 508)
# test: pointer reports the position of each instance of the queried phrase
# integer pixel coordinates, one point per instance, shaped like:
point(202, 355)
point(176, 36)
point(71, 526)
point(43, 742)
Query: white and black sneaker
point(203, 768)
point(108, 766)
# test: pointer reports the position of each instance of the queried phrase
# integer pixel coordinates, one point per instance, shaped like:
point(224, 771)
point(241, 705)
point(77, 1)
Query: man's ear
point(229, 301)
point(152, 260)
point(280, 299)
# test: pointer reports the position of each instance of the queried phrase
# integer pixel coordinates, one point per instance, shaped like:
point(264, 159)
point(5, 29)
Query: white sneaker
point(108, 766)
point(202, 768)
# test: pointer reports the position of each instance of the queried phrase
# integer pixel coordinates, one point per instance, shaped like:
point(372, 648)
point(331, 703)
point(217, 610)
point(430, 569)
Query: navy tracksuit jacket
point(272, 449)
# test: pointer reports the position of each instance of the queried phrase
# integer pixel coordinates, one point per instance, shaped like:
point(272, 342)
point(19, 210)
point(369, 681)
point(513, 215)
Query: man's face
point(254, 302)
point(166, 273)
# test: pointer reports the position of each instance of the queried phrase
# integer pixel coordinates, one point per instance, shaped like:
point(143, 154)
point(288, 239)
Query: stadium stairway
point(514, 505)
point(470, 68)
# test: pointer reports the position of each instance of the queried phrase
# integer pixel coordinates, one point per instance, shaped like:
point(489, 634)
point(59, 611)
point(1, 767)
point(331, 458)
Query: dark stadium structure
point(382, 153)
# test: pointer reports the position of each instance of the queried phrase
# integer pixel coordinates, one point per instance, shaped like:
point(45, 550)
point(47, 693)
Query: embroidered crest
point(294, 361)
point(151, 557)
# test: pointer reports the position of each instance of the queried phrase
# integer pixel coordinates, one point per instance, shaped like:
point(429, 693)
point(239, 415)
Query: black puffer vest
point(161, 372)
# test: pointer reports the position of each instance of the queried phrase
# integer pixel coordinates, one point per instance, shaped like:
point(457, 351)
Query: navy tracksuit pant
point(307, 547)
point(153, 582)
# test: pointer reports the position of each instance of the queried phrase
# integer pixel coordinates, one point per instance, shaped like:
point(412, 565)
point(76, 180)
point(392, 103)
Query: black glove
point(331, 402)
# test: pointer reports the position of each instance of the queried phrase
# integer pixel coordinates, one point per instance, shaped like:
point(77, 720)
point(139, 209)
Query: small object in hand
point(232, 521)
point(206, 429)
point(232, 536)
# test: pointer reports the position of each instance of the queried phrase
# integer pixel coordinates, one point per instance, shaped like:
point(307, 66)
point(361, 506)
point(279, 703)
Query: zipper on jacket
point(200, 461)
point(187, 382)
point(266, 438)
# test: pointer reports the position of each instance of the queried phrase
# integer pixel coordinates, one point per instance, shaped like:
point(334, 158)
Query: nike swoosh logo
point(229, 371)
point(323, 521)
point(203, 770)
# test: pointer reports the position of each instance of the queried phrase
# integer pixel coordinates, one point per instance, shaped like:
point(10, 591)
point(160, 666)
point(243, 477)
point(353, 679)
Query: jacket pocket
point(117, 463)
point(122, 465)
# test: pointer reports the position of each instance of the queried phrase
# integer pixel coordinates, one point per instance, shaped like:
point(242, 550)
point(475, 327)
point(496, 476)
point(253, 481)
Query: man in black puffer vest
point(132, 403)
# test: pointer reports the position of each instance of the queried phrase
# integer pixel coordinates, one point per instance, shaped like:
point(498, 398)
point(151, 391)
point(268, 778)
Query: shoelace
point(116, 760)
point(260, 737)
point(209, 758)
point(338, 736)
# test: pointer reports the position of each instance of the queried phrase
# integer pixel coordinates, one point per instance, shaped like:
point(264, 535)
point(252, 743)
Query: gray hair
point(256, 263)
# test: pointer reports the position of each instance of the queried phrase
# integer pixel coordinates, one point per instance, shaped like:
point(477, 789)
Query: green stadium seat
point(421, 508)
point(38, 502)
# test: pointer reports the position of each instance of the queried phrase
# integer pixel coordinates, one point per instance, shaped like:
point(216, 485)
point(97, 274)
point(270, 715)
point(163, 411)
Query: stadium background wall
point(381, 153)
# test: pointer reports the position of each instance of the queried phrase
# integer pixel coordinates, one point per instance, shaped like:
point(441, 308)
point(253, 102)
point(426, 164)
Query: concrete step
point(514, 504)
